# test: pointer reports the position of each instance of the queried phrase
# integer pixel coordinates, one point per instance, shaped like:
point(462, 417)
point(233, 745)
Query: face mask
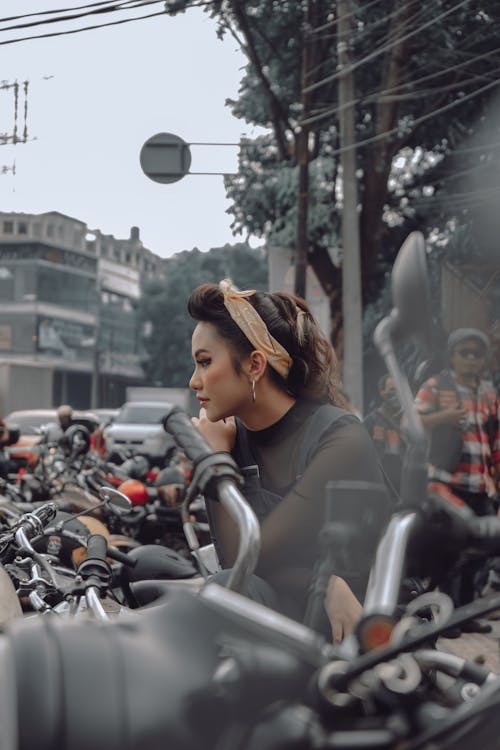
point(393, 401)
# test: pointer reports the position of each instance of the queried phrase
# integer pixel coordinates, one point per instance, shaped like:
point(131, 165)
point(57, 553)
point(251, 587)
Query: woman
point(262, 371)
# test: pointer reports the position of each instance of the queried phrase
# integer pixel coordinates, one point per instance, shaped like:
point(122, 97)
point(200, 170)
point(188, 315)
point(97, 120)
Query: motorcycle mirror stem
point(414, 472)
point(112, 498)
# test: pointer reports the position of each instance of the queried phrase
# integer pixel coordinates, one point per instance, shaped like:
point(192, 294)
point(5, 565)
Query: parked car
point(31, 423)
point(137, 428)
point(106, 416)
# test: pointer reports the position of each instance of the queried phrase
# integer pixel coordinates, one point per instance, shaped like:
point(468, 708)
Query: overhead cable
point(82, 28)
point(384, 48)
point(126, 5)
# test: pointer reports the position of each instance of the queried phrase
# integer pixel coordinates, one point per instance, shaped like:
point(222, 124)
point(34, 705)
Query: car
point(138, 429)
point(31, 424)
point(105, 416)
point(30, 421)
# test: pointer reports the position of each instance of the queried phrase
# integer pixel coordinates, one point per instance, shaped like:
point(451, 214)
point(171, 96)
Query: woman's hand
point(219, 435)
point(342, 608)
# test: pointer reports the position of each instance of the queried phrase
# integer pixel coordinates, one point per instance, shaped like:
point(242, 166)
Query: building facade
point(68, 322)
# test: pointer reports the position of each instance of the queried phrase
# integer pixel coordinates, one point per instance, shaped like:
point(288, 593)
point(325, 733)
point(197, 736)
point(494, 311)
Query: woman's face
point(221, 391)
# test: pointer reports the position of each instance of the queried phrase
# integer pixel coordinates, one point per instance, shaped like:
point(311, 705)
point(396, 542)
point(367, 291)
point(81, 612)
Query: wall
point(24, 387)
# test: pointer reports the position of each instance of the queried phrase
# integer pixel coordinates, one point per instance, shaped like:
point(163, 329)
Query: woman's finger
point(337, 631)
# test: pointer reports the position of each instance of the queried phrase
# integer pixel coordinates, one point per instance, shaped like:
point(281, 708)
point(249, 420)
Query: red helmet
point(136, 491)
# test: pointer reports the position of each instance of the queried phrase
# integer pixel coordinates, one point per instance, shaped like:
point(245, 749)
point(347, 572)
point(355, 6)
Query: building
point(68, 325)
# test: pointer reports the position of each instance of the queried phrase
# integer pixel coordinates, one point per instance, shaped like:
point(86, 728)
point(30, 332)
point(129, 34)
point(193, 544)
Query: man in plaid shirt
point(459, 398)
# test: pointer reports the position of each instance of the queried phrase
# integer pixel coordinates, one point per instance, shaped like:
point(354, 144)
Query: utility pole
point(351, 265)
point(96, 353)
point(302, 156)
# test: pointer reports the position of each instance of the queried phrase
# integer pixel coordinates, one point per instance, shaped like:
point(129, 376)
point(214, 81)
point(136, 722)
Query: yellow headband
point(251, 324)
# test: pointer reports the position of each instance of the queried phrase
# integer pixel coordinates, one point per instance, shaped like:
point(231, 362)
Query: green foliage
point(265, 192)
point(164, 304)
point(425, 77)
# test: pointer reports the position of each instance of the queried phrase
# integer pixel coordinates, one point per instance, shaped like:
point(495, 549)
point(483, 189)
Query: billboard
point(65, 338)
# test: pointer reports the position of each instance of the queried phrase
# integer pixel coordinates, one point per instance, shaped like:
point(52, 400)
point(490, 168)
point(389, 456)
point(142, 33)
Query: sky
point(95, 97)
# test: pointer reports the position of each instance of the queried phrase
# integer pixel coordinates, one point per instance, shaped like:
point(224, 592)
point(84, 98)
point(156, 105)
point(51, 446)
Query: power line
point(418, 121)
point(359, 35)
point(114, 7)
point(384, 48)
point(375, 95)
point(82, 28)
point(60, 10)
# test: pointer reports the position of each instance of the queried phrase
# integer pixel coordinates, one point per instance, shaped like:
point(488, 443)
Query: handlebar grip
point(45, 513)
point(179, 425)
point(97, 547)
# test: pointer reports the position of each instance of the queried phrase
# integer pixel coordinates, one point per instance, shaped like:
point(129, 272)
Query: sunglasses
point(476, 353)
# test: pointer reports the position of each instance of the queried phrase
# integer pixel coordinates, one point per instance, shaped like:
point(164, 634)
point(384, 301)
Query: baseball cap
point(459, 335)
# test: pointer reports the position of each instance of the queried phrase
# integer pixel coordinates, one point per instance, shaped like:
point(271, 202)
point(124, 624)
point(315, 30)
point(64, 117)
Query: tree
point(425, 74)
point(163, 304)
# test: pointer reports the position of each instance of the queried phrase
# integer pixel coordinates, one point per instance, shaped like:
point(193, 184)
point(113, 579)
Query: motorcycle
point(218, 671)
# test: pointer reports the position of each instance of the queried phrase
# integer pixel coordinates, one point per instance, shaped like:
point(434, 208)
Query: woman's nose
point(193, 382)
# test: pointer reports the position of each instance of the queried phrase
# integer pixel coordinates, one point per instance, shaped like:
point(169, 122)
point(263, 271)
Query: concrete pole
point(303, 158)
point(96, 354)
point(351, 266)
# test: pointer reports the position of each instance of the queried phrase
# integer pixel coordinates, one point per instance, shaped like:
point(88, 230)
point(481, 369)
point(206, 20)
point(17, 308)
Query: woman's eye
point(203, 362)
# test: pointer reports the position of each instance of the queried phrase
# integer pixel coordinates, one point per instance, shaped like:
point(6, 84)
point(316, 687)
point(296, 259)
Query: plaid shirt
point(481, 451)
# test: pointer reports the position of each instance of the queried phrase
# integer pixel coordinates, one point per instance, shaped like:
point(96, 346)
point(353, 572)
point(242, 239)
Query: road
point(480, 647)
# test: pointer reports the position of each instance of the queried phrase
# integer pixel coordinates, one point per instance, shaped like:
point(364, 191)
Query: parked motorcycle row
point(56, 512)
point(103, 651)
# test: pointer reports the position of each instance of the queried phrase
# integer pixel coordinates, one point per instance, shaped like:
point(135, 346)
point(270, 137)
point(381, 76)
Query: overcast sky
point(95, 97)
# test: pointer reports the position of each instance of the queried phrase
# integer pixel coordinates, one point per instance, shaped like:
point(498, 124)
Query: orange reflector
point(375, 632)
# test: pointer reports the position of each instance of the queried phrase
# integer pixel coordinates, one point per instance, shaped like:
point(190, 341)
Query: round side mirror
point(115, 499)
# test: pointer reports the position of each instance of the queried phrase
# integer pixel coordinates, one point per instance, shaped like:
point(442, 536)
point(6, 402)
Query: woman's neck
point(271, 404)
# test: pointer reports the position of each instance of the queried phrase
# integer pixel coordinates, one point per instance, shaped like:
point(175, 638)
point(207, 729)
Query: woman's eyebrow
point(201, 351)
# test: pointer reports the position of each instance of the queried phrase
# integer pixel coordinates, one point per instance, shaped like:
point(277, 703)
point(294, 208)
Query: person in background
point(55, 430)
point(460, 411)
point(65, 416)
point(384, 427)
point(263, 375)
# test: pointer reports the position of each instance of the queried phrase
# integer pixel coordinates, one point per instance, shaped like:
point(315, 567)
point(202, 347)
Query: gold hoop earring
point(253, 391)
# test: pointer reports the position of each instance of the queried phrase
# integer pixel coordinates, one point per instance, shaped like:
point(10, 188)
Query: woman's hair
point(313, 372)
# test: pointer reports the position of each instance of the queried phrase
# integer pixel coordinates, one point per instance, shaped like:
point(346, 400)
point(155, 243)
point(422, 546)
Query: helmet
point(77, 438)
point(136, 467)
point(136, 491)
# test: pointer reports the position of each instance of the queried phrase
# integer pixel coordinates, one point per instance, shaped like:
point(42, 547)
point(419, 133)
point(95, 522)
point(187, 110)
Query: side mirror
point(411, 313)
point(115, 499)
point(410, 317)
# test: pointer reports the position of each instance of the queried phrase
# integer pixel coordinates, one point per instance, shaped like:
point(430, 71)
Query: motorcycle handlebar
point(217, 473)
point(96, 547)
point(33, 523)
point(178, 424)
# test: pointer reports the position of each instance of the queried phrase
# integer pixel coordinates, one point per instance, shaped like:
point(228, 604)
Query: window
point(8, 227)
point(22, 227)
point(50, 230)
point(37, 229)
